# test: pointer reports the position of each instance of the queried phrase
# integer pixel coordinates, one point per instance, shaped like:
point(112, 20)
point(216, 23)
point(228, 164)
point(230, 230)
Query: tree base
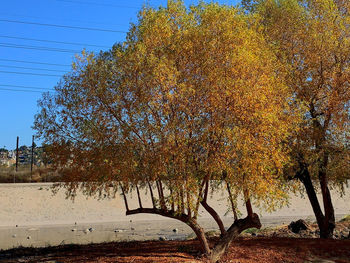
point(234, 231)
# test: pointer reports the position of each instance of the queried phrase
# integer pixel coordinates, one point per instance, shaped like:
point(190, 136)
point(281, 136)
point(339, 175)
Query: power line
point(18, 90)
point(25, 73)
point(52, 41)
point(62, 26)
point(34, 62)
point(25, 87)
point(65, 19)
point(53, 70)
point(41, 48)
point(100, 4)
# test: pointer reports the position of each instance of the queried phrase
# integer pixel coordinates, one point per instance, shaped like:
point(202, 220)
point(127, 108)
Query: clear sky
point(29, 67)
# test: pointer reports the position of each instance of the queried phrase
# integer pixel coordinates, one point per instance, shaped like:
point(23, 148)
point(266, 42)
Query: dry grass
point(345, 219)
point(23, 175)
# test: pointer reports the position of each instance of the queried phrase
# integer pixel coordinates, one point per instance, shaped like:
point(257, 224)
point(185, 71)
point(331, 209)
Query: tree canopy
point(200, 96)
point(189, 94)
point(312, 40)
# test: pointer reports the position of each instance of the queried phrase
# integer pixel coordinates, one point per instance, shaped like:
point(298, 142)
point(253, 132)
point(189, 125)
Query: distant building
point(7, 162)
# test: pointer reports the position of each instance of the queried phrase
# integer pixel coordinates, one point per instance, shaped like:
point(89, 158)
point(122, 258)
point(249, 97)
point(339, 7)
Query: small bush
point(251, 230)
point(345, 219)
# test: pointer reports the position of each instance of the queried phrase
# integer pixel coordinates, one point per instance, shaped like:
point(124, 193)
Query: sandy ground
point(30, 215)
point(34, 204)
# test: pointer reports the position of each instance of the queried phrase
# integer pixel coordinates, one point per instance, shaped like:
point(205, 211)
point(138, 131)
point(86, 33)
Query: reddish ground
point(244, 250)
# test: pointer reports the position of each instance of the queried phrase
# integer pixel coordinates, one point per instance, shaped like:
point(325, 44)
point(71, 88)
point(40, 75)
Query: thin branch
point(172, 198)
point(138, 196)
point(199, 199)
point(161, 194)
point(211, 211)
point(152, 196)
point(166, 213)
point(189, 210)
point(125, 200)
point(231, 200)
point(247, 202)
point(182, 201)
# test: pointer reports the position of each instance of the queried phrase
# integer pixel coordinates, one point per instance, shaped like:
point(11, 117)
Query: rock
point(91, 229)
point(75, 223)
point(162, 238)
point(86, 231)
point(297, 226)
point(130, 220)
point(118, 230)
point(14, 235)
point(29, 237)
point(132, 228)
point(16, 225)
point(74, 229)
point(175, 230)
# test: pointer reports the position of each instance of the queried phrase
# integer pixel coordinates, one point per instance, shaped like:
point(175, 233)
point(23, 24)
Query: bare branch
point(125, 200)
point(152, 196)
point(231, 200)
point(138, 196)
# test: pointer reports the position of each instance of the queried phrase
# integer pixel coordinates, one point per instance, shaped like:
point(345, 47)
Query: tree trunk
point(328, 224)
point(236, 228)
point(182, 217)
point(329, 219)
point(310, 190)
point(201, 236)
point(325, 222)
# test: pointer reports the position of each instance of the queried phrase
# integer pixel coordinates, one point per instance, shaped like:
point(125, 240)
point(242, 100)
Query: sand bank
point(45, 219)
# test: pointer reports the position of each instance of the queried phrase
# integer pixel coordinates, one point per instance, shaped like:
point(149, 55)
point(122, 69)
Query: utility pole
point(14, 175)
point(32, 160)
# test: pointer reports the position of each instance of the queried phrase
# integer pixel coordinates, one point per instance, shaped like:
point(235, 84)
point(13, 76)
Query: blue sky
point(17, 52)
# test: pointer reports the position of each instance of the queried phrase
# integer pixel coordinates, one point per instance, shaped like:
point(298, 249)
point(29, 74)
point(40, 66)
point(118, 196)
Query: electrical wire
point(34, 62)
point(26, 87)
point(52, 70)
point(41, 48)
point(62, 26)
point(18, 90)
point(65, 19)
point(30, 73)
point(52, 41)
point(100, 4)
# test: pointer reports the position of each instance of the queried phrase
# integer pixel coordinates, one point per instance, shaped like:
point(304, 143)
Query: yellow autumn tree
point(193, 98)
point(312, 40)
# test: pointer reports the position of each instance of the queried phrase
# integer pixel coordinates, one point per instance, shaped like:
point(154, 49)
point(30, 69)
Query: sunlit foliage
point(312, 40)
point(192, 96)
